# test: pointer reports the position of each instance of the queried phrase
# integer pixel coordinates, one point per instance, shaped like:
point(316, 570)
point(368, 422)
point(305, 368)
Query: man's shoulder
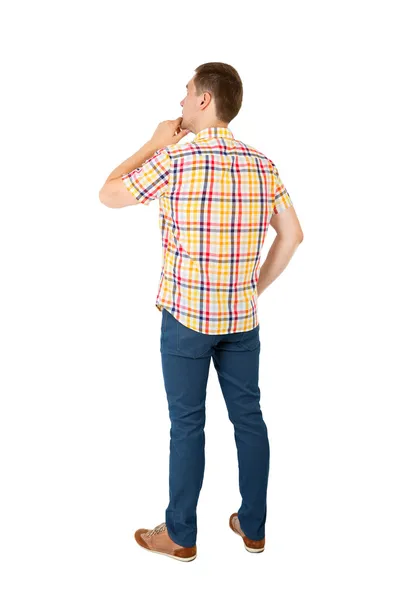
point(176, 149)
point(254, 151)
point(183, 149)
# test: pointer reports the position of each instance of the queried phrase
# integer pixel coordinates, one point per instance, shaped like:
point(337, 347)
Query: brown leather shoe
point(250, 545)
point(157, 540)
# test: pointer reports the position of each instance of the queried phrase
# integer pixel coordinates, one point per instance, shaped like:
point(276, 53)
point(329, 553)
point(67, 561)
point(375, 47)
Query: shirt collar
point(214, 132)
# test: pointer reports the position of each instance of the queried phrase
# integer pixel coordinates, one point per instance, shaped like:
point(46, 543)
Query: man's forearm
point(278, 258)
point(134, 162)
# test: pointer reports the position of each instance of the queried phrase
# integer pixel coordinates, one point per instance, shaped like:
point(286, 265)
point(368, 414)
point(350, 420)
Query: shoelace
point(157, 529)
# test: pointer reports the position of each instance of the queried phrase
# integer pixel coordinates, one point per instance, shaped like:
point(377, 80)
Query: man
point(217, 197)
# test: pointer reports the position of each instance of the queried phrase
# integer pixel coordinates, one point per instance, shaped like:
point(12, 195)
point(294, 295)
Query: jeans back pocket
point(251, 339)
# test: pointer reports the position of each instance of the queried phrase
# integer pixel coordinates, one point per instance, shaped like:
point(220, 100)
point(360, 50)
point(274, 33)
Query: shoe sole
point(170, 555)
point(252, 550)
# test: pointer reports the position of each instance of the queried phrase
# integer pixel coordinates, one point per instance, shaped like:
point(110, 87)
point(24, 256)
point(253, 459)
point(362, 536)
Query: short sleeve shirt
point(216, 198)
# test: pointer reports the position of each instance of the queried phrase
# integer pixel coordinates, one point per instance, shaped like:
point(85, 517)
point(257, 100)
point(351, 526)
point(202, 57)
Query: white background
point(84, 426)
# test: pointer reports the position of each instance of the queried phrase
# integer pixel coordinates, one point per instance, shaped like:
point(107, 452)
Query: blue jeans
point(185, 356)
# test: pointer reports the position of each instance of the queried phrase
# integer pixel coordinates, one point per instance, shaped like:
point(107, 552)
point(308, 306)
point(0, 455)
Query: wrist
point(151, 147)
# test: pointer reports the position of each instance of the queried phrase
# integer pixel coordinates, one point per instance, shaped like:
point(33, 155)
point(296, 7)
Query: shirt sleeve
point(149, 181)
point(282, 200)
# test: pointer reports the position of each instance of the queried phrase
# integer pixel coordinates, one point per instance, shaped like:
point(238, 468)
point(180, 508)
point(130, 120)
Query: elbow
point(298, 235)
point(292, 238)
point(103, 198)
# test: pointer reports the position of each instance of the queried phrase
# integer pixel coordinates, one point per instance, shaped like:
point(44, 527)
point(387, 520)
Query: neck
point(211, 124)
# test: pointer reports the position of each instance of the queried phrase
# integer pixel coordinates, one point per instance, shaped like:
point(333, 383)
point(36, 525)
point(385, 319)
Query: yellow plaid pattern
point(216, 198)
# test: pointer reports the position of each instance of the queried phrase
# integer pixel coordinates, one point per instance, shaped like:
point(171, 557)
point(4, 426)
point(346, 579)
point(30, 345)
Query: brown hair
point(224, 84)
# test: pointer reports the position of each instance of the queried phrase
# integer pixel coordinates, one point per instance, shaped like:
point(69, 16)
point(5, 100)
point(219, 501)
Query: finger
point(182, 133)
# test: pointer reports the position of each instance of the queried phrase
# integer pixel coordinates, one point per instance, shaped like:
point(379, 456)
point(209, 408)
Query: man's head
point(214, 97)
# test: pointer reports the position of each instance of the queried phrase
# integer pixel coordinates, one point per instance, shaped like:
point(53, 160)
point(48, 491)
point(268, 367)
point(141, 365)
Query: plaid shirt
point(216, 198)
